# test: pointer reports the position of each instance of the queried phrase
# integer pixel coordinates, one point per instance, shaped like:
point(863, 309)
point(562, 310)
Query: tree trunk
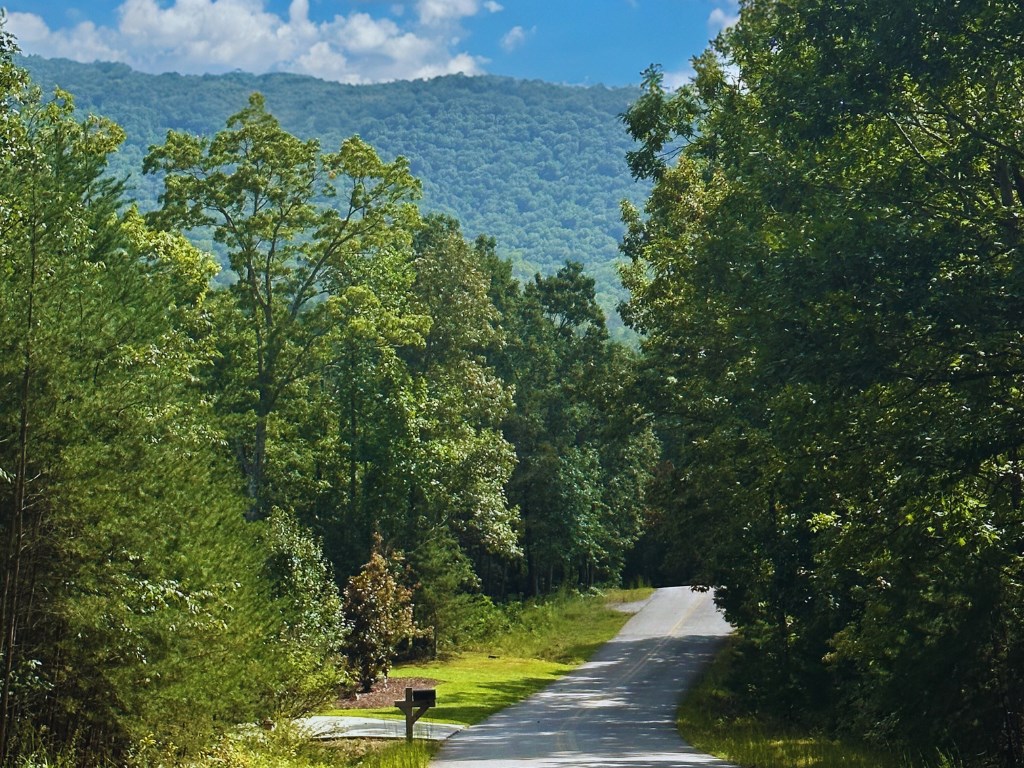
point(255, 469)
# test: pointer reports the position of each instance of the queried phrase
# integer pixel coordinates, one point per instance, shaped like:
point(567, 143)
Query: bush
point(379, 610)
point(314, 633)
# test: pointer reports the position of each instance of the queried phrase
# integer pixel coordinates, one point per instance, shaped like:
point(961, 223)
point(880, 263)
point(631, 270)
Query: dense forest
point(226, 499)
point(540, 167)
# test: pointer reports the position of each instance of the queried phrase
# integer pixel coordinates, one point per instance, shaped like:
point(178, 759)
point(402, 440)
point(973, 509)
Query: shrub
point(379, 610)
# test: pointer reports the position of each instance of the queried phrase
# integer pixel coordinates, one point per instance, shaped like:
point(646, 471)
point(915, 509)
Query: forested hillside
point(539, 167)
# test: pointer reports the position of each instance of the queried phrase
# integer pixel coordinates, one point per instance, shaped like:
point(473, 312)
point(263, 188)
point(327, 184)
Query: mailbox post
point(415, 703)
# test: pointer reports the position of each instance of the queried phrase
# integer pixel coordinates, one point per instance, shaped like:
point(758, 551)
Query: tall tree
point(457, 504)
point(260, 189)
point(571, 479)
point(133, 607)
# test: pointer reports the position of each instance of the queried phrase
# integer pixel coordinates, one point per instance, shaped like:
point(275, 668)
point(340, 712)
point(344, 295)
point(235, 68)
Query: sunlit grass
point(472, 686)
point(543, 641)
point(565, 628)
point(632, 595)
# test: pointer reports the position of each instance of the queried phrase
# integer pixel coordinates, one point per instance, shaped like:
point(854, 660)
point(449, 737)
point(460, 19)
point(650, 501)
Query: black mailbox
point(426, 696)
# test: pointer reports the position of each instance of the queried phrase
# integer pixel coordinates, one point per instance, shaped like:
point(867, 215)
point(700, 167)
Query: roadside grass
point(472, 686)
point(290, 748)
point(538, 643)
point(285, 747)
point(565, 628)
point(714, 719)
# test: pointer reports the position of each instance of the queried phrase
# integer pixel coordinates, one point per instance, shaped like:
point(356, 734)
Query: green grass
point(564, 628)
point(715, 719)
point(540, 643)
point(288, 748)
point(473, 685)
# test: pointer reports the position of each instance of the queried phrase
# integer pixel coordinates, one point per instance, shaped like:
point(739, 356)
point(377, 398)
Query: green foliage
point(133, 607)
point(585, 448)
point(468, 460)
point(379, 610)
point(448, 604)
point(715, 718)
point(314, 632)
point(564, 627)
point(255, 185)
point(362, 368)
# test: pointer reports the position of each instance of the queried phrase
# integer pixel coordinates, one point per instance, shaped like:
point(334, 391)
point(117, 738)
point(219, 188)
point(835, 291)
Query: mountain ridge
point(539, 166)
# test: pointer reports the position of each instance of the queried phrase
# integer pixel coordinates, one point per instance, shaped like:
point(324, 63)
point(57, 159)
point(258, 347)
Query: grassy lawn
point(713, 718)
point(545, 641)
point(472, 686)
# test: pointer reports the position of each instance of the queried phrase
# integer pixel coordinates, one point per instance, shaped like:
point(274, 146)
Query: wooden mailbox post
point(414, 705)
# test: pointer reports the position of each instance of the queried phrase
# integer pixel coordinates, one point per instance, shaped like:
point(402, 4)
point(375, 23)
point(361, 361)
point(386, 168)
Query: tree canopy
point(538, 166)
point(207, 484)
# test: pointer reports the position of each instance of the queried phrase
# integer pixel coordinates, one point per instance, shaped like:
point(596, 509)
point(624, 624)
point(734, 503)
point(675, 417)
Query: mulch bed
point(385, 693)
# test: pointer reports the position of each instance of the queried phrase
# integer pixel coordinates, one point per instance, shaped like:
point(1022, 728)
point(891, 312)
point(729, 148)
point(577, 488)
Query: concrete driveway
point(615, 711)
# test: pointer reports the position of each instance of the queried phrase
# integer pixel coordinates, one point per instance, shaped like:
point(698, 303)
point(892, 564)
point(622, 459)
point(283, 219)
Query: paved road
point(618, 709)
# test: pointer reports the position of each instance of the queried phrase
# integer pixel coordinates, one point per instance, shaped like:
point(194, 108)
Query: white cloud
point(433, 12)
point(721, 18)
point(515, 37)
point(323, 61)
point(439, 12)
point(678, 78)
point(28, 27)
point(197, 36)
point(84, 42)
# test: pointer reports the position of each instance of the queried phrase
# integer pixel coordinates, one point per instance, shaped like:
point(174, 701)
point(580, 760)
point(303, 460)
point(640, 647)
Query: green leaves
point(132, 587)
point(257, 187)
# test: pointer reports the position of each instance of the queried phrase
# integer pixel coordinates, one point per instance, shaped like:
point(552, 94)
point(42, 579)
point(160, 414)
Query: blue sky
point(358, 41)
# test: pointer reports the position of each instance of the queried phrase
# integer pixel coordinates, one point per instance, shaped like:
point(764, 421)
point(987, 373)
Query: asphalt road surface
point(615, 711)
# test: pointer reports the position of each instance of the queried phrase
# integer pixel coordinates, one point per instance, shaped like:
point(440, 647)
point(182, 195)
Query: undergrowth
point(527, 646)
point(717, 719)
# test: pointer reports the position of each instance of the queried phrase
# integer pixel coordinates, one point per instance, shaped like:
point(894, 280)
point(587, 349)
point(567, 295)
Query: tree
point(258, 188)
point(810, 272)
point(132, 604)
point(465, 460)
point(314, 631)
point(569, 392)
